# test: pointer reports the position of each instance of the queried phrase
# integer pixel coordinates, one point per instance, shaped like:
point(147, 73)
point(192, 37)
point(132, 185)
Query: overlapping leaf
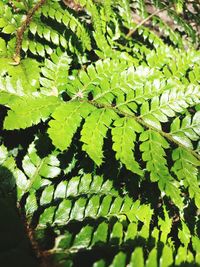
point(67, 118)
point(29, 111)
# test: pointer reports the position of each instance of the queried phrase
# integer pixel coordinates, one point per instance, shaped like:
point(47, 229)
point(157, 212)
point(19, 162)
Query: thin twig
point(145, 20)
point(22, 29)
point(146, 125)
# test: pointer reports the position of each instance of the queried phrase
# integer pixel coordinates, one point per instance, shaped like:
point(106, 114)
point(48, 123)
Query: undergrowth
point(100, 126)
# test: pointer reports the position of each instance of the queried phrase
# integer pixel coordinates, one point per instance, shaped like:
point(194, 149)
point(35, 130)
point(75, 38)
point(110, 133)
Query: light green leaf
point(124, 136)
point(100, 235)
point(94, 131)
point(167, 257)
point(152, 259)
point(83, 238)
point(137, 258)
point(184, 234)
point(117, 233)
point(66, 119)
point(28, 111)
point(9, 29)
point(119, 260)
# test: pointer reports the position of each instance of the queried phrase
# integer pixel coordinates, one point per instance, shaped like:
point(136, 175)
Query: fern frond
point(36, 48)
point(138, 258)
point(140, 7)
point(92, 79)
point(99, 30)
point(99, 200)
point(150, 36)
point(54, 11)
point(9, 22)
point(174, 36)
point(105, 85)
point(185, 27)
point(124, 137)
point(30, 110)
point(171, 101)
point(20, 179)
point(7, 98)
point(55, 73)
point(154, 154)
point(187, 129)
point(94, 131)
point(108, 8)
point(104, 217)
point(85, 185)
point(165, 226)
point(21, 79)
point(112, 90)
point(67, 118)
point(50, 35)
point(125, 13)
point(185, 168)
point(37, 169)
point(155, 101)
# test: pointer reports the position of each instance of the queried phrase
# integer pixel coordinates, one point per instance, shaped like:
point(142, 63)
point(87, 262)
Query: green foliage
point(124, 135)
point(99, 127)
point(67, 118)
point(55, 73)
point(30, 110)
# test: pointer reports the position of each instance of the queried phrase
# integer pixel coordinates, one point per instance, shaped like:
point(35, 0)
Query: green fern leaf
point(124, 137)
point(186, 130)
point(184, 234)
point(3, 50)
point(165, 226)
point(125, 13)
point(8, 161)
point(27, 111)
point(37, 168)
point(185, 167)
point(54, 11)
point(21, 79)
point(7, 98)
point(119, 260)
point(137, 257)
point(170, 101)
point(8, 24)
point(67, 118)
point(152, 258)
point(94, 131)
point(55, 73)
point(153, 153)
point(141, 8)
point(50, 35)
point(167, 256)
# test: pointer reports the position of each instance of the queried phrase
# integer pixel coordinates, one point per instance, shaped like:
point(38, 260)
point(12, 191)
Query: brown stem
point(145, 20)
point(146, 125)
point(22, 29)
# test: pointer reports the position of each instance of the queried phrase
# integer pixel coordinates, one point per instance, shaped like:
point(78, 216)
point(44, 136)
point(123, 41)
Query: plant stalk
point(131, 32)
point(22, 29)
point(168, 136)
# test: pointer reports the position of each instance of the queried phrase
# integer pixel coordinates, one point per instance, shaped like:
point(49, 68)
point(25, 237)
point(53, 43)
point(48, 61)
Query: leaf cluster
point(104, 107)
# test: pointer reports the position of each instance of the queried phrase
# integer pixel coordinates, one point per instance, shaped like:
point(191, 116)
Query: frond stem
point(145, 20)
point(146, 125)
point(22, 29)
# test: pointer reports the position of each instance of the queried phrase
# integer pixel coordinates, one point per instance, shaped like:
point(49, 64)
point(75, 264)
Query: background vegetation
point(99, 133)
